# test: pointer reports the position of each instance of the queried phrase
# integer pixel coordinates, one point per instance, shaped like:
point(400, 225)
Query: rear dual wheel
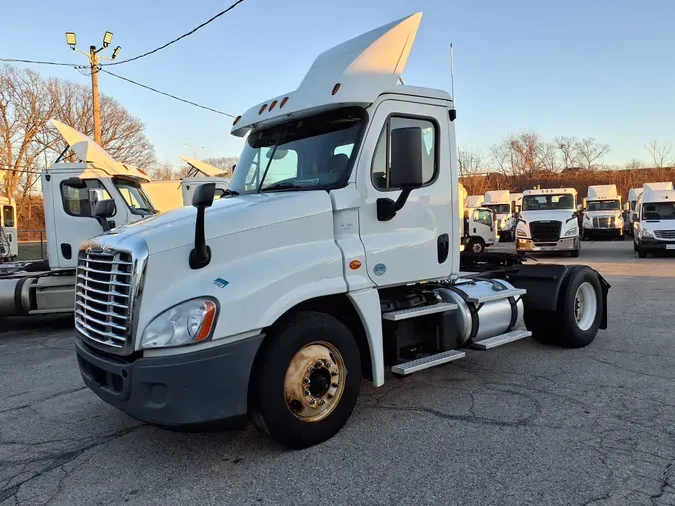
point(576, 321)
point(306, 381)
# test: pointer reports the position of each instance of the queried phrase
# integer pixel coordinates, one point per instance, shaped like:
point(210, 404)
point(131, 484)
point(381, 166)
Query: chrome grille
point(603, 222)
point(545, 231)
point(103, 294)
point(664, 234)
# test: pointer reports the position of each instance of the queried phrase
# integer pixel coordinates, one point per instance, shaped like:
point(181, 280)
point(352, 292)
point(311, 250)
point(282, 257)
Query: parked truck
point(631, 212)
point(478, 230)
point(499, 201)
point(275, 301)
point(602, 214)
point(473, 201)
point(9, 245)
point(548, 221)
point(654, 224)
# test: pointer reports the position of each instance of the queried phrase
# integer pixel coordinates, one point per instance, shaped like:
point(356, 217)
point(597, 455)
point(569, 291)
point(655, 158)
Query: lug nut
point(311, 368)
point(312, 401)
point(335, 385)
point(327, 364)
point(330, 396)
point(306, 381)
point(321, 402)
point(333, 373)
point(306, 393)
point(319, 363)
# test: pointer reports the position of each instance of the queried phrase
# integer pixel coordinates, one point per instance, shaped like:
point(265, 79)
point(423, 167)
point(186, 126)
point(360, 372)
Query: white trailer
point(478, 230)
point(473, 201)
point(548, 221)
point(631, 212)
point(9, 244)
point(287, 292)
point(654, 225)
point(602, 213)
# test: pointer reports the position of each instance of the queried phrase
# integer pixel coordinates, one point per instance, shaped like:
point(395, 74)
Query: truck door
point(482, 225)
point(9, 226)
point(71, 221)
point(415, 244)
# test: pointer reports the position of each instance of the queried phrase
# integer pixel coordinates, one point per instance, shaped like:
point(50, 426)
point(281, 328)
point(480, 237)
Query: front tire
point(642, 253)
point(477, 245)
point(306, 381)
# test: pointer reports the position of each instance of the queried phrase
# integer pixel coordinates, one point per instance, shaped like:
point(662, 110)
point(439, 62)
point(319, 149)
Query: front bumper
point(564, 244)
point(657, 244)
point(604, 231)
point(179, 390)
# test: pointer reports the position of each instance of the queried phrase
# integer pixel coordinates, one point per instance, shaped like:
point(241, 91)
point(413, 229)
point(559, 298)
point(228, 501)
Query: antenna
point(452, 71)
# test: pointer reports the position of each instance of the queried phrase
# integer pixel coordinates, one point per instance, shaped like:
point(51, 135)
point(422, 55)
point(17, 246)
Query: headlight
point(521, 233)
point(646, 233)
point(619, 222)
point(189, 322)
point(572, 231)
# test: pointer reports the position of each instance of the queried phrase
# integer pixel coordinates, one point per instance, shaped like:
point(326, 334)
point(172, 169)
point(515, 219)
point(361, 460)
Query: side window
point(382, 157)
point(75, 196)
point(8, 216)
point(482, 216)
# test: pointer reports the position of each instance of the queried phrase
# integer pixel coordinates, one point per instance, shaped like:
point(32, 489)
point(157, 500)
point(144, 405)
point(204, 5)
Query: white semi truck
point(9, 244)
point(654, 224)
point(275, 301)
point(500, 202)
point(602, 215)
point(478, 229)
point(548, 221)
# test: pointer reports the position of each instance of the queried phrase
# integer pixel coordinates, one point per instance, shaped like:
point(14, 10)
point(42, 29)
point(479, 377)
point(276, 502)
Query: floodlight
point(116, 52)
point(107, 39)
point(71, 39)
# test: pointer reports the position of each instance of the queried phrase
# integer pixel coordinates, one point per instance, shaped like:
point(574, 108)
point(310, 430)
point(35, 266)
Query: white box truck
point(602, 213)
point(629, 206)
point(478, 229)
point(655, 220)
point(284, 295)
point(473, 201)
point(499, 201)
point(548, 221)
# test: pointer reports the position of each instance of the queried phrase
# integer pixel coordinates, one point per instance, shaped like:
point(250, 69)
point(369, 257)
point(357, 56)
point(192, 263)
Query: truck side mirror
point(104, 209)
point(202, 198)
point(406, 169)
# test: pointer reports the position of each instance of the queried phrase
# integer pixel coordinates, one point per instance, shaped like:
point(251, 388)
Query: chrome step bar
point(493, 342)
point(426, 362)
point(414, 312)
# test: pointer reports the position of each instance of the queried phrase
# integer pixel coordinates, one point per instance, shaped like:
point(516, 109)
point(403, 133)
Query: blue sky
point(596, 68)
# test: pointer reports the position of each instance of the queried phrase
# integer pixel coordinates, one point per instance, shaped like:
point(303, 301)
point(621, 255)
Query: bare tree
point(223, 162)
point(591, 153)
point(502, 158)
point(569, 153)
point(470, 162)
point(518, 154)
point(634, 164)
point(661, 153)
point(549, 157)
point(163, 172)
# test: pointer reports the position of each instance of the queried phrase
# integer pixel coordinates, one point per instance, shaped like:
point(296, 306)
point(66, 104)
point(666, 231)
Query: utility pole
point(94, 67)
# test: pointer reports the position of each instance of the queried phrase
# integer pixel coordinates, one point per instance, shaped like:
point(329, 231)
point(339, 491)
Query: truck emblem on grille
point(220, 282)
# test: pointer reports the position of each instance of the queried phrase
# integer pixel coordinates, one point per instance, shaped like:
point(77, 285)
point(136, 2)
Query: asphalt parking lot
point(522, 424)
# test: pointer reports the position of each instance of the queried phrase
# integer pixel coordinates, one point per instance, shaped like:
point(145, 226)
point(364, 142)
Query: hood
point(228, 216)
point(658, 224)
point(561, 215)
point(603, 213)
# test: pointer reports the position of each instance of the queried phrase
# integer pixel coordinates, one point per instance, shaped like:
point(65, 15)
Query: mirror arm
point(387, 208)
point(103, 222)
point(200, 256)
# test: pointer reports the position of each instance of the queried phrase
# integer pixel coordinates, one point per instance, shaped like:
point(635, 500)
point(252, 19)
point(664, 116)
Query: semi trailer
point(273, 303)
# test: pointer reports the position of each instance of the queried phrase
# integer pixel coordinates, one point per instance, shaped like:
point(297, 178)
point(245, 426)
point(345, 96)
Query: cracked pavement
point(521, 424)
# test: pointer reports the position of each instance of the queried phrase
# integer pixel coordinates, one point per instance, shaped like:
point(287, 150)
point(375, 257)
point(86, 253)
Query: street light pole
point(94, 67)
point(194, 151)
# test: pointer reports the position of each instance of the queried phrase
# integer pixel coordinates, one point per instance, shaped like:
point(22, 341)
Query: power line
point(167, 94)
point(37, 62)
point(178, 38)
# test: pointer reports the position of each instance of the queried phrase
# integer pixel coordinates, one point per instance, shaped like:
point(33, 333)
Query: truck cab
point(602, 213)
point(548, 221)
point(9, 244)
point(631, 211)
point(499, 201)
point(654, 225)
point(335, 254)
point(478, 229)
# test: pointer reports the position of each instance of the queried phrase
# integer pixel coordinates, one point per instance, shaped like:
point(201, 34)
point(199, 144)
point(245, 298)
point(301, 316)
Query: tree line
point(527, 154)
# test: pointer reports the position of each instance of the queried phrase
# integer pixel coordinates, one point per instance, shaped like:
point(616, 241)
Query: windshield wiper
point(282, 186)
point(227, 191)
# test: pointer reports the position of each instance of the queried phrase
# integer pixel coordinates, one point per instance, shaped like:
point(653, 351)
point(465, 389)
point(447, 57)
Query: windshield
point(658, 211)
point(604, 205)
point(549, 202)
point(132, 193)
point(499, 208)
point(305, 154)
